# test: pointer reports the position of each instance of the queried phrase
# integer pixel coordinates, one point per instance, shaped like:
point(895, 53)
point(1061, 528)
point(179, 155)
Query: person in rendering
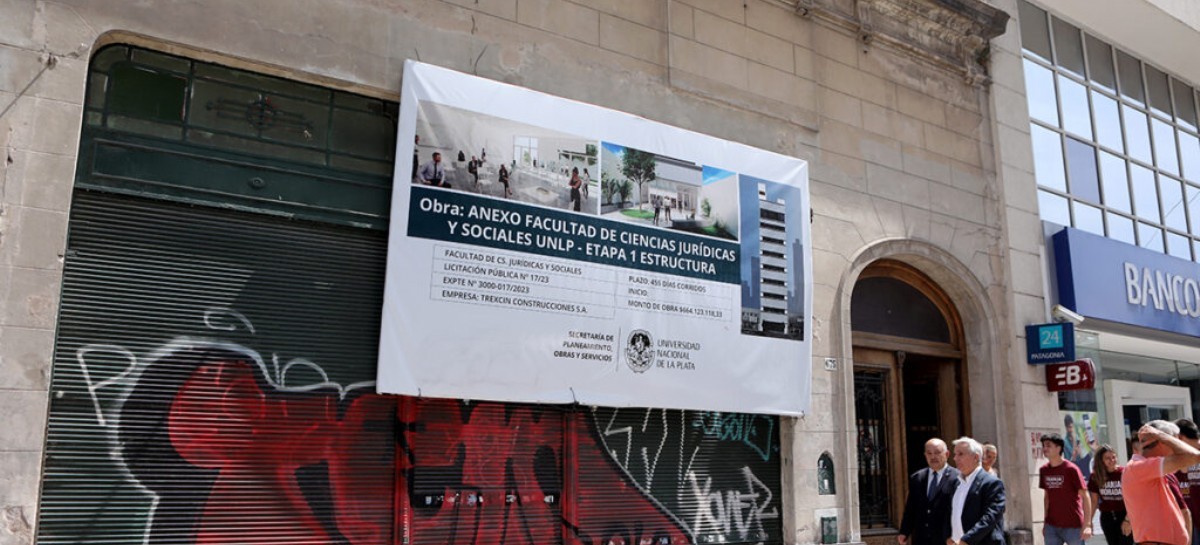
point(1066, 498)
point(433, 173)
point(977, 507)
point(587, 180)
point(1153, 511)
point(503, 176)
point(656, 202)
point(990, 454)
point(928, 504)
point(667, 209)
point(1189, 478)
point(575, 183)
point(473, 169)
point(416, 159)
point(1104, 486)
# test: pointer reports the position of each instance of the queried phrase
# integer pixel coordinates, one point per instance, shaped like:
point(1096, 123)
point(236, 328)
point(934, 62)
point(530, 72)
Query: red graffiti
point(221, 419)
point(291, 467)
point(491, 473)
point(610, 510)
point(482, 473)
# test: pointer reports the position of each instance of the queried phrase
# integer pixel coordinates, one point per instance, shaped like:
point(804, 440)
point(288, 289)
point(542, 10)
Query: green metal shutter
point(212, 380)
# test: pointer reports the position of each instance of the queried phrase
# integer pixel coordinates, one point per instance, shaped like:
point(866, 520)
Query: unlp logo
point(639, 351)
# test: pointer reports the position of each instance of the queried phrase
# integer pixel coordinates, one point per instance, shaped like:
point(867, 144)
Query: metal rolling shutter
point(664, 477)
point(208, 381)
point(482, 473)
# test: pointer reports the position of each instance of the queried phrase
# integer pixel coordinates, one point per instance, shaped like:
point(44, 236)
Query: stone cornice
point(954, 34)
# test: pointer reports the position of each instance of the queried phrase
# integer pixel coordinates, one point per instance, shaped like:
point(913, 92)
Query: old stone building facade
point(927, 244)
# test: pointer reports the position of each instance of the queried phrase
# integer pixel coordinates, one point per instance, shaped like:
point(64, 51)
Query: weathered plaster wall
point(899, 150)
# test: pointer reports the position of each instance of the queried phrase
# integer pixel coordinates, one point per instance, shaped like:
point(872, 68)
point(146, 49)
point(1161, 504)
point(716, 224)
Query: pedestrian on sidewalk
point(1189, 479)
point(1066, 496)
point(927, 508)
point(977, 507)
point(1152, 509)
point(990, 455)
point(1104, 487)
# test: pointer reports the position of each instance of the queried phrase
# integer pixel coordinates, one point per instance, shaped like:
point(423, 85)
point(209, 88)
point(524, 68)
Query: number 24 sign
point(1050, 343)
point(1075, 375)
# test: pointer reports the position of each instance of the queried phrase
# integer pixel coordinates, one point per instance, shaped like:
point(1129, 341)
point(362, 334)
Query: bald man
point(927, 510)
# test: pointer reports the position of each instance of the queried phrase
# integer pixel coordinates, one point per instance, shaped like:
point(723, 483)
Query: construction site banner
point(551, 251)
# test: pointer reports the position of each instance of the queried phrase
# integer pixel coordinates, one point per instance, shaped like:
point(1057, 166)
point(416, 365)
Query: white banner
point(545, 250)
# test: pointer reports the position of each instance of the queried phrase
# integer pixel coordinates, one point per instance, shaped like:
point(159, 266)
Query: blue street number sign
point(1050, 343)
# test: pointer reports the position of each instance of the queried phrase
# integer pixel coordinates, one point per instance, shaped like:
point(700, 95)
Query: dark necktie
point(932, 486)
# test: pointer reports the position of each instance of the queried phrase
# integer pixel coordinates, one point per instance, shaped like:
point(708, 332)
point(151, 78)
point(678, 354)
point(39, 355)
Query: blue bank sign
point(1050, 343)
point(1109, 280)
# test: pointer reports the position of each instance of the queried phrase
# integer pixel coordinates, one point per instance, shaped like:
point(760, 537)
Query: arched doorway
point(909, 384)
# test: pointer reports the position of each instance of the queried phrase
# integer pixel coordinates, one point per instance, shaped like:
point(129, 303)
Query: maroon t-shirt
point(1062, 485)
point(1111, 498)
point(1189, 485)
point(1173, 485)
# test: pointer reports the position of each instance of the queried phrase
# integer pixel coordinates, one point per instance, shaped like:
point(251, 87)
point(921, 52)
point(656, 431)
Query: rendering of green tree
point(638, 166)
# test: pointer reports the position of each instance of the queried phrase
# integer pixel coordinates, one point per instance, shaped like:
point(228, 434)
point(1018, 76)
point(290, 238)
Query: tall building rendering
point(773, 259)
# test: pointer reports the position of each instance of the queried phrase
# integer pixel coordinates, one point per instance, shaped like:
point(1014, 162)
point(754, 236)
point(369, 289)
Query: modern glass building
point(1116, 156)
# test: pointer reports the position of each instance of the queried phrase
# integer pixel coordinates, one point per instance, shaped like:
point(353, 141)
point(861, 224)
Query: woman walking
point(504, 180)
point(1105, 488)
point(576, 183)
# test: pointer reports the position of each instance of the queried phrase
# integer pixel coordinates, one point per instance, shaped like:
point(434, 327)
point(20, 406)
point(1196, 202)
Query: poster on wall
point(550, 251)
point(1080, 434)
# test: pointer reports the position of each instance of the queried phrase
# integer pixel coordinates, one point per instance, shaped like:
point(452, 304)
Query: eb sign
point(1075, 375)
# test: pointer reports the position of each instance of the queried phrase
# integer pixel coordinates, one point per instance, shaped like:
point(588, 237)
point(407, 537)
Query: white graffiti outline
point(624, 468)
point(212, 312)
point(81, 358)
point(652, 468)
point(609, 431)
point(730, 506)
point(130, 376)
point(757, 498)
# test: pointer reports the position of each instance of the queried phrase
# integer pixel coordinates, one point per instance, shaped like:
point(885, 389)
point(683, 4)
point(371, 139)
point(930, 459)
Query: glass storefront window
point(1085, 414)
point(1112, 132)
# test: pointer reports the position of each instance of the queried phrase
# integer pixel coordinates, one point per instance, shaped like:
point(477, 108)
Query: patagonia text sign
point(545, 250)
point(1050, 343)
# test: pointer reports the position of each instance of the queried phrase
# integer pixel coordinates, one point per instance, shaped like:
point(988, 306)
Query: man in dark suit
point(977, 507)
point(927, 509)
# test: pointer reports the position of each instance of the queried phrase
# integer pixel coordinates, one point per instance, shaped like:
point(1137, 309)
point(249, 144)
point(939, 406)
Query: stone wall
point(902, 152)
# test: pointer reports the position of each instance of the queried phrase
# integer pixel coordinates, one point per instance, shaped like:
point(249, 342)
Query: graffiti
point(753, 430)
point(707, 451)
point(737, 512)
point(650, 434)
point(227, 430)
point(469, 478)
point(93, 387)
point(237, 447)
point(492, 473)
point(223, 421)
point(213, 316)
point(201, 414)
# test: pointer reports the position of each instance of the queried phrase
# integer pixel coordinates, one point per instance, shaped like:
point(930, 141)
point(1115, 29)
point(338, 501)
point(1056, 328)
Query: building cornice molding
point(953, 34)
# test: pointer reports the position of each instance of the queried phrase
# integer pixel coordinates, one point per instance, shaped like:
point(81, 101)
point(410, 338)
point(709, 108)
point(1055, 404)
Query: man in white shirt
point(977, 508)
point(432, 173)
